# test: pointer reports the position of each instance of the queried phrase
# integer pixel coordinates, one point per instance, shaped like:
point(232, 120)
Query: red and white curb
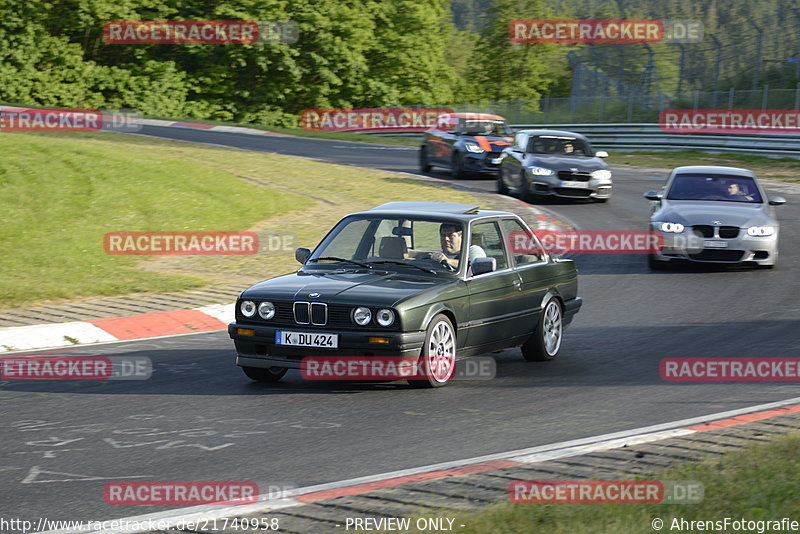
point(146, 325)
point(361, 485)
point(209, 127)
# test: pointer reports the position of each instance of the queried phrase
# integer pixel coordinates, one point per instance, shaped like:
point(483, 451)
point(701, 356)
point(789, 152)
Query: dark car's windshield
point(483, 127)
point(391, 242)
point(558, 146)
point(717, 187)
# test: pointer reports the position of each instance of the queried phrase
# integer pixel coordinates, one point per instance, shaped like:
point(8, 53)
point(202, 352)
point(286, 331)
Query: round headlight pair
point(266, 310)
point(671, 227)
point(362, 316)
point(761, 231)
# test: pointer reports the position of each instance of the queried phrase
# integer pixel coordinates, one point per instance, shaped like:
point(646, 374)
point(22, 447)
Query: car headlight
point(362, 316)
point(671, 227)
point(266, 310)
point(540, 171)
point(385, 317)
point(472, 147)
point(248, 308)
point(601, 174)
point(760, 231)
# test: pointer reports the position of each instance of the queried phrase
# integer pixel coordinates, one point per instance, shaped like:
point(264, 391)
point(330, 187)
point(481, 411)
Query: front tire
point(424, 164)
point(264, 374)
point(501, 182)
point(437, 363)
point(545, 342)
point(657, 265)
point(457, 165)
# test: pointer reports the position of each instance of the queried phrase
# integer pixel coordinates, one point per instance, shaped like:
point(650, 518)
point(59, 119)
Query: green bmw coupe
point(423, 281)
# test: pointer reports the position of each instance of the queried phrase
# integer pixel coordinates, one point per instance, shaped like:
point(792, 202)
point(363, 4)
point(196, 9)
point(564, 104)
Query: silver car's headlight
point(362, 316)
point(671, 227)
point(385, 317)
point(540, 171)
point(248, 308)
point(601, 174)
point(472, 147)
point(266, 310)
point(761, 231)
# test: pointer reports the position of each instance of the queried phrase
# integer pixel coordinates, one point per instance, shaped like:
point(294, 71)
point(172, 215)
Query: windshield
point(431, 245)
point(558, 146)
point(717, 187)
point(483, 127)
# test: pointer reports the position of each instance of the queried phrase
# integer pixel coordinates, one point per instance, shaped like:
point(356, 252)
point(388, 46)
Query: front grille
point(319, 313)
point(569, 192)
point(574, 176)
point(335, 316)
point(718, 255)
point(703, 230)
point(728, 232)
point(301, 313)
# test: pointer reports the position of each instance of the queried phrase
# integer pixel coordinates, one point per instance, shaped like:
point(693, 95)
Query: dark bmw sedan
point(553, 163)
point(430, 282)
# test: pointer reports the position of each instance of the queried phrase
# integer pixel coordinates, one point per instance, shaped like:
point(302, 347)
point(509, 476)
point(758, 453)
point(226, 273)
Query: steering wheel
point(447, 266)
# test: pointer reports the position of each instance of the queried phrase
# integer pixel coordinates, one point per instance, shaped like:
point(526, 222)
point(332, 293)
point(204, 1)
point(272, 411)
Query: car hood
point(565, 163)
point(490, 143)
point(383, 288)
point(695, 212)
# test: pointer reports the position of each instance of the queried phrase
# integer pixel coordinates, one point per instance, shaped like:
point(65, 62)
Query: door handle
point(517, 283)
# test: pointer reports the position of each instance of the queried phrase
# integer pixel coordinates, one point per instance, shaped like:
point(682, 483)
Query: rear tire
point(437, 363)
point(545, 342)
point(264, 374)
point(424, 165)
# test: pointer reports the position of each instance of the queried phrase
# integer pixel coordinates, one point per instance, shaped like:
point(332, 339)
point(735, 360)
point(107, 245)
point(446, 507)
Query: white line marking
point(530, 455)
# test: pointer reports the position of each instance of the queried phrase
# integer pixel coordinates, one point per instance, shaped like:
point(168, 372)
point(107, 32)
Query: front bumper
point(553, 186)
point(741, 249)
point(482, 162)
point(260, 350)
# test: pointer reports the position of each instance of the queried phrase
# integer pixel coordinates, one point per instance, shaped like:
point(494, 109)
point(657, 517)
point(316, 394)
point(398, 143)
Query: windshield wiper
point(406, 264)
point(334, 258)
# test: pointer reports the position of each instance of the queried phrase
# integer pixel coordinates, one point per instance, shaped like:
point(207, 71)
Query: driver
point(735, 192)
point(488, 128)
point(450, 239)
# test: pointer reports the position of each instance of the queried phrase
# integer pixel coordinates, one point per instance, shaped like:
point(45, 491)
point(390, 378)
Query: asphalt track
point(199, 418)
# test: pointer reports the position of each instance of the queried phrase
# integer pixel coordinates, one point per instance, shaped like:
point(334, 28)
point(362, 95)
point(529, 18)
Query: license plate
point(307, 339)
point(715, 244)
point(574, 184)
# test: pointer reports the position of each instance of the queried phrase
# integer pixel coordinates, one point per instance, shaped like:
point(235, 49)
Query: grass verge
point(60, 194)
point(783, 169)
point(759, 484)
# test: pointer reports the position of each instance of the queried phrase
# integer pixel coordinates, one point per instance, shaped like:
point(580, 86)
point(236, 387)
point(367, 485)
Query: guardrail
point(644, 136)
point(647, 136)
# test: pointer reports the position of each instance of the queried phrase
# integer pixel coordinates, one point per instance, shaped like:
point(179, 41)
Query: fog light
point(379, 340)
point(245, 331)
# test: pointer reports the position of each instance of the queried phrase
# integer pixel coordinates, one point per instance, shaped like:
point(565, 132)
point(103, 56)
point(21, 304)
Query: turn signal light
point(245, 331)
point(379, 340)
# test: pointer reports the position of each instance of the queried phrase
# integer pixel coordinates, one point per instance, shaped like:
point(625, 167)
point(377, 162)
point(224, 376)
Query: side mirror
point(652, 195)
point(777, 201)
point(601, 154)
point(302, 254)
point(483, 266)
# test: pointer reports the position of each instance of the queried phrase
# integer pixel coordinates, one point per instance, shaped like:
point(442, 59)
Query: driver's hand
point(438, 257)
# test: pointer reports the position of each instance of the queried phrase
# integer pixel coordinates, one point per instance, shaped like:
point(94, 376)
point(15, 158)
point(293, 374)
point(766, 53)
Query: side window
point(487, 241)
point(521, 140)
point(522, 243)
